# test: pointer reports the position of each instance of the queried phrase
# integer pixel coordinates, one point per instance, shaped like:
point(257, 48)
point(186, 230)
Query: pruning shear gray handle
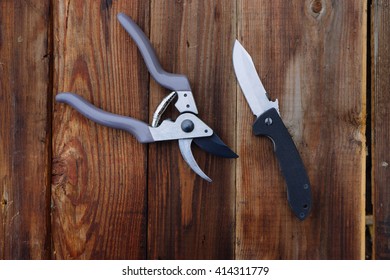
point(135, 127)
point(168, 80)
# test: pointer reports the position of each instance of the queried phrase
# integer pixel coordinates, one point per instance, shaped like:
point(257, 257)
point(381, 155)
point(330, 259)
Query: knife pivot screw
point(268, 121)
point(187, 126)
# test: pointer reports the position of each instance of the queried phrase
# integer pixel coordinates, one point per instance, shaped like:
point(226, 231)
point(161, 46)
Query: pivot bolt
point(268, 121)
point(187, 126)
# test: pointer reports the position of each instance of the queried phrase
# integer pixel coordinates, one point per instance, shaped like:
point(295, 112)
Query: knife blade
point(269, 123)
point(250, 83)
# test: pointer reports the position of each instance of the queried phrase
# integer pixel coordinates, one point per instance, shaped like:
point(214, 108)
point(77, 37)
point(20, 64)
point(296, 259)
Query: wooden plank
point(25, 130)
point(380, 61)
point(99, 174)
point(189, 218)
point(311, 56)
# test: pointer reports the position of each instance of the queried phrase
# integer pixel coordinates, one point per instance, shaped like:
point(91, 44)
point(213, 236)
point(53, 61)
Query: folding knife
point(269, 123)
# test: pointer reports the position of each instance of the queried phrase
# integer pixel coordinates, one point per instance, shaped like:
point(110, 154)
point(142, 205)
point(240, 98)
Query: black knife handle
point(298, 186)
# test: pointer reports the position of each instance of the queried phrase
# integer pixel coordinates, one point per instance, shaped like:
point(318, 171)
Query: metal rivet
point(187, 126)
point(302, 215)
point(268, 121)
point(305, 186)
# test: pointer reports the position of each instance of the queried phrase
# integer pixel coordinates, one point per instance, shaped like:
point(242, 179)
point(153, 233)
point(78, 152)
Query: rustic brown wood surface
point(25, 131)
point(380, 60)
point(99, 174)
point(311, 56)
point(190, 218)
point(114, 198)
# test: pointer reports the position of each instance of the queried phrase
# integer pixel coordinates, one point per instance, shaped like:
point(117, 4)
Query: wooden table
point(71, 189)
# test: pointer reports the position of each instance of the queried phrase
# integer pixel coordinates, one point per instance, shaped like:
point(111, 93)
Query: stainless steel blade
point(185, 149)
point(250, 83)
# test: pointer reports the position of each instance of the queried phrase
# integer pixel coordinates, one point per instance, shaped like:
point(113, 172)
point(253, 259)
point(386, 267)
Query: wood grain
point(24, 130)
point(311, 56)
point(114, 198)
point(99, 174)
point(188, 217)
point(380, 60)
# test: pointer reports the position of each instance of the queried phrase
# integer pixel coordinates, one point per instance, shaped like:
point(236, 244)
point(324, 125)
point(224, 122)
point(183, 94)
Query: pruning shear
point(187, 127)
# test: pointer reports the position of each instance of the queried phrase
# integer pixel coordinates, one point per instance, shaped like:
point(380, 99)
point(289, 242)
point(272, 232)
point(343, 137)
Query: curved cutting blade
point(215, 146)
point(185, 149)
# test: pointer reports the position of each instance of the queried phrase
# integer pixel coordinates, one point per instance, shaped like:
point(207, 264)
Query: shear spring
point(162, 107)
